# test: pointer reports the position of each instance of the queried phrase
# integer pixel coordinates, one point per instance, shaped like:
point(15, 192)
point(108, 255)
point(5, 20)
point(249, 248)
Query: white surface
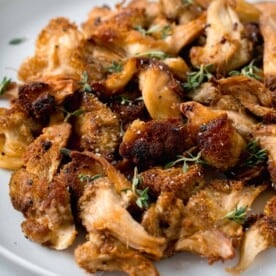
point(19, 256)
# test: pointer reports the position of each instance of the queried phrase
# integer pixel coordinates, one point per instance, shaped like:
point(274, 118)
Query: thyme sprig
point(4, 85)
point(152, 54)
point(250, 71)
point(85, 86)
point(186, 159)
point(187, 2)
point(17, 40)
point(237, 215)
point(115, 67)
point(142, 195)
point(69, 114)
point(126, 101)
point(142, 200)
point(195, 79)
point(256, 155)
point(165, 31)
point(89, 178)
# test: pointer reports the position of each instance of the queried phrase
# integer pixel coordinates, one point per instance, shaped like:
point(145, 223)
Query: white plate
point(19, 256)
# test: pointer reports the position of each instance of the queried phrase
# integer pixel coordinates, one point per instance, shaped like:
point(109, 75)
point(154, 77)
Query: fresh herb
point(187, 2)
point(127, 101)
point(71, 114)
point(143, 198)
point(238, 215)
point(186, 159)
point(115, 67)
point(256, 155)
point(195, 79)
point(164, 30)
point(89, 178)
point(86, 87)
point(4, 85)
point(142, 195)
point(250, 71)
point(141, 30)
point(153, 54)
point(18, 40)
point(65, 152)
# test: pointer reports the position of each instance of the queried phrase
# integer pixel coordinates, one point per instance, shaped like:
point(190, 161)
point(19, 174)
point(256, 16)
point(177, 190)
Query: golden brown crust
point(204, 221)
point(266, 134)
point(154, 141)
point(144, 60)
point(160, 91)
point(16, 133)
point(97, 128)
point(260, 236)
point(113, 218)
point(174, 180)
point(42, 196)
point(36, 100)
point(219, 143)
point(268, 30)
point(53, 54)
point(251, 94)
point(104, 253)
point(214, 134)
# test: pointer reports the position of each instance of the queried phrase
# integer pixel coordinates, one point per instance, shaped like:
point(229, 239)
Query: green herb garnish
point(4, 85)
point(187, 2)
point(18, 40)
point(153, 54)
point(89, 178)
point(127, 101)
point(71, 114)
point(164, 30)
point(115, 67)
point(250, 71)
point(238, 215)
point(195, 79)
point(256, 154)
point(186, 159)
point(142, 195)
point(86, 87)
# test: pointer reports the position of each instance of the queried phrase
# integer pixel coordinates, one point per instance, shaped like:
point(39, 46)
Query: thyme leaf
point(126, 101)
point(163, 30)
point(195, 79)
point(250, 71)
point(186, 159)
point(115, 67)
point(152, 54)
point(17, 40)
point(142, 200)
point(238, 215)
point(4, 85)
point(71, 114)
point(85, 86)
point(256, 154)
point(89, 178)
point(187, 2)
point(166, 31)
